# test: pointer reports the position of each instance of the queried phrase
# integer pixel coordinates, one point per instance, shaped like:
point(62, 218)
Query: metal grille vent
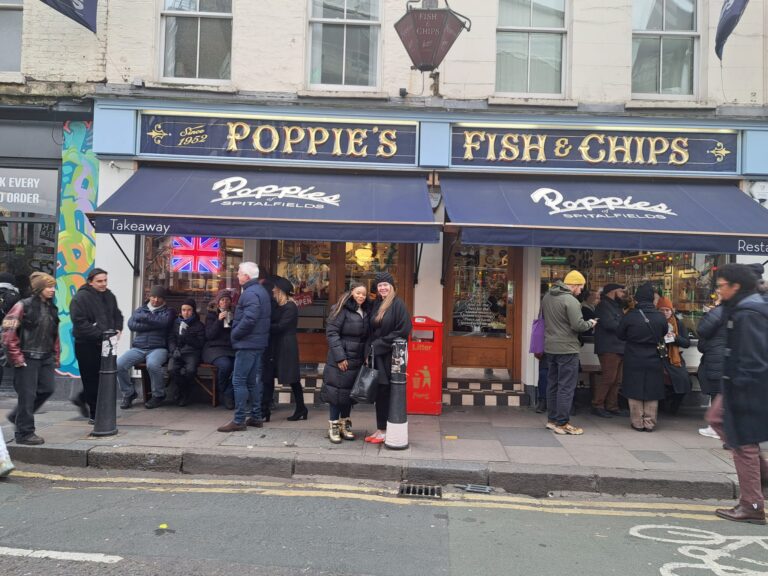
point(420, 491)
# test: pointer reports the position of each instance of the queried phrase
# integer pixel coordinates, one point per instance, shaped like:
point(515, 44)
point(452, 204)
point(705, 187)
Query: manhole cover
point(420, 491)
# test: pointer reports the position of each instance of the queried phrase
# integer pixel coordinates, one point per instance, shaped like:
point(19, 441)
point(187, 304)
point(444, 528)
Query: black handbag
point(661, 347)
point(677, 377)
point(366, 382)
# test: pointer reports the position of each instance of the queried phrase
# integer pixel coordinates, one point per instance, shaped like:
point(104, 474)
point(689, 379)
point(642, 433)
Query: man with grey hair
point(250, 335)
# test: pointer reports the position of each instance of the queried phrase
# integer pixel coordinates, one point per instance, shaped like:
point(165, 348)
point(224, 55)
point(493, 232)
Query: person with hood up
point(185, 346)
point(218, 349)
point(563, 323)
point(642, 383)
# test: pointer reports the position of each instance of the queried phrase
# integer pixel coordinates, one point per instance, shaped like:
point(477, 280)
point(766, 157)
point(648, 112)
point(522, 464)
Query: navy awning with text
point(607, 214)
point(289, 206)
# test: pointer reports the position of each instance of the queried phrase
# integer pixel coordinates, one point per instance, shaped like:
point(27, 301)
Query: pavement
point(503, 447)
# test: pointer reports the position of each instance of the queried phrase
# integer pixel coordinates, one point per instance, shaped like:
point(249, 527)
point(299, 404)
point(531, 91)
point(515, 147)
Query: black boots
point(301, 412)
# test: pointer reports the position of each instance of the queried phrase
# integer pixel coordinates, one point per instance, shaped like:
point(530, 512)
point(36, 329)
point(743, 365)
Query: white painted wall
point(428, 293)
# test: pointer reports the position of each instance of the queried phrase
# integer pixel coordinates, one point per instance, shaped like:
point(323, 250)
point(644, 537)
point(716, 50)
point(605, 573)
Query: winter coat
point(712, 340)
point(151, 328)
point(92, 313)
point(745, 372)
point(218, 340)
point(396, 323)
point(563, 321)
point(643, 374)
point(250, 327)
point(609, 313)
point(190, 340)
point(31, 330)
point(283, 343)
point(9, 295)
point(347, 335)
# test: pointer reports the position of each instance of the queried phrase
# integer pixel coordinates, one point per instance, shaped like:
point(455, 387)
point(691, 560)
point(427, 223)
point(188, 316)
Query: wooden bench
point(593, 370)
point(208, 385)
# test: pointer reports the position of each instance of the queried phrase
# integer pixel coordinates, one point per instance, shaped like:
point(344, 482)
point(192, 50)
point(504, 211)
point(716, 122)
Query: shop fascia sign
point(279, 139)
point(594, 207)
point(28, 190)
point(515, 147)
point(234, 191)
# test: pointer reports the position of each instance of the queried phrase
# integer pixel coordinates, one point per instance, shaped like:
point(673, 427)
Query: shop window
point(480, 290)
point(344, 41)
point(688, 279)
point(664, 44)
point(363, 260)
point(307, 265)
point(530, 42)
point(191, 267)
point(10, 35)
point(26, 247)
point(197, 39)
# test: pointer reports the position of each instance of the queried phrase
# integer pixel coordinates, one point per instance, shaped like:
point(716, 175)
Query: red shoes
point(376, 438)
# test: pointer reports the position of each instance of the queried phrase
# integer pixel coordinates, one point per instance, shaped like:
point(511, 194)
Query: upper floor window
point(530, 42)
point(10, 35)
point(664, 41)
point(344, 42)
point(197, 39)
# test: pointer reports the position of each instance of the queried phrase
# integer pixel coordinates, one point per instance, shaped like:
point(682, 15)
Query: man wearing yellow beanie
point(563, 322)
point(31, 342)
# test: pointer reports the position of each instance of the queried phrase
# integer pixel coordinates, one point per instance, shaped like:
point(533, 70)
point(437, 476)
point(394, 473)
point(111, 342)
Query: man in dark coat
point(9, 295)
point(185, 345)
point(610, 351)
point(740, 414)
point(713, 337)
point(93, 310)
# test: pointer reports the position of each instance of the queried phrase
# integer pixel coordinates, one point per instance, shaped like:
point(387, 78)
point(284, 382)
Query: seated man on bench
point(185, 346)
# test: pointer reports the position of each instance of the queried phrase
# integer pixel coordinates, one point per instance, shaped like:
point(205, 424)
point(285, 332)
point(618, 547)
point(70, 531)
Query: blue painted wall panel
point(114, 131)
point(755, 153)
point(435, 144)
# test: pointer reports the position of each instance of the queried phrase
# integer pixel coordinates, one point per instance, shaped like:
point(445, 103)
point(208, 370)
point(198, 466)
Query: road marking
point(56, 555)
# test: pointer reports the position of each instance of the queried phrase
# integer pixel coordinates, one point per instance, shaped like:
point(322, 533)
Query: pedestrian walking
point(218, 345)
point(610, 351)
point(185, 347)
point(347, 333)
point(563, 322)
point(9, 295)
point(389, 320)
point(642, 382)
point(713, 337)
point(31, 343)
point(740, 414)
point(285, 347)
point(250, 336)
point(93, 311)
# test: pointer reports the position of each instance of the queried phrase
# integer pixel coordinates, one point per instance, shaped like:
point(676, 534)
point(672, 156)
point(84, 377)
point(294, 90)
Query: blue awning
point(289, 206)
point(607, 214)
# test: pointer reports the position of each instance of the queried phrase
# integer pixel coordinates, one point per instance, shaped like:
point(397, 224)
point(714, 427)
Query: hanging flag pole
point(81, 11)
point(729, 18)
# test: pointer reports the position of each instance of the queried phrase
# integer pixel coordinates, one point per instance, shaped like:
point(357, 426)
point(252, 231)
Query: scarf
point(675, 358)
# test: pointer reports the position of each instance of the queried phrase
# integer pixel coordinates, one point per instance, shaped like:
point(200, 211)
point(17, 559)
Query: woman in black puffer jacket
point(347, 332)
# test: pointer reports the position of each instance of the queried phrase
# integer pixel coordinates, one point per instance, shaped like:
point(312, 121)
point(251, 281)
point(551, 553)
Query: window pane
point(327, 53)
point(215, 43)
point(647, 14)
point(512, 62)
point(224, 6)
point(180, 47)
point(16, 2)
point(362, 46)
point(646, 58)
point(548, 13)
point(26, 247)
point(181, 5)
point(363, 260)
point(363, 9)
point(515, 13)
point(307, 265)
point(677, 66)
point(546, 63)
point(681, 15)
point(328, 8)
point(10, 40)
point(480, 290)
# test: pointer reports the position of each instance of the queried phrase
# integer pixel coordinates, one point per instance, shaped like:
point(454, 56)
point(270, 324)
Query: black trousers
point(183, 371)
point(382, 406)
point(88, 356)
point(34, 384)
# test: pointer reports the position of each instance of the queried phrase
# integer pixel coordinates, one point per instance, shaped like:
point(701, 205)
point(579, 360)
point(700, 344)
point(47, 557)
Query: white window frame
point(164, 13)
point(4, 6)
point(345, 22)
point(695, 34)
point(563, 32)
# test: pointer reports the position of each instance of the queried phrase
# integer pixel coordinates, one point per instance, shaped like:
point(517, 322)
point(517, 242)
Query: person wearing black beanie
point(185, 345)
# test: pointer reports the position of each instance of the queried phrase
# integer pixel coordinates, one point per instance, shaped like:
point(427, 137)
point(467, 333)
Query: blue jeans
point(154, 358)
point(339, 411)
point(224, 365)
point(246, 382)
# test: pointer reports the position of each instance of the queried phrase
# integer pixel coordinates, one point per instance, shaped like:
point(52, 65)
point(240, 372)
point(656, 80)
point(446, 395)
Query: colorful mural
point(77, 241)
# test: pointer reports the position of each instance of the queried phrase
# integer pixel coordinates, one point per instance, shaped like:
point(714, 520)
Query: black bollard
point(397, 421)
point(106, 408)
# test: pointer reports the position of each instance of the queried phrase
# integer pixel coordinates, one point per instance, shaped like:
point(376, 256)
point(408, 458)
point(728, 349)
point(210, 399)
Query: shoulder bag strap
point(659, 343)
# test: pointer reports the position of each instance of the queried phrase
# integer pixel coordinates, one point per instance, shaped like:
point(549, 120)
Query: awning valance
point(163, 201)
point(607, 214)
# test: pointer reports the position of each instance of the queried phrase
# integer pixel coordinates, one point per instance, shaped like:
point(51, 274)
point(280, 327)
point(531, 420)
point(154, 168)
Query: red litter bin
point(425, 367)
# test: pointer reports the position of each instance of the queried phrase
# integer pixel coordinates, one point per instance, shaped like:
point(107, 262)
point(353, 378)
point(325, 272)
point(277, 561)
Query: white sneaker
point(709, 433)
point(6, 467)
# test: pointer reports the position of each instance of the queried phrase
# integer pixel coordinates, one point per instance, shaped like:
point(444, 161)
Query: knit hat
point(664, 302)
point(158, 290)
point(611, 286)
point(384, 277)
point(575, 278)
point(644, 293)
point(283, 284)
point(7, 278)
point(40, 280)
point(757, 269)
point(190, 302)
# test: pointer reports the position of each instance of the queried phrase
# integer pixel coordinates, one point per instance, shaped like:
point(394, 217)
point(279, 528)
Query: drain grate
point(420, 491)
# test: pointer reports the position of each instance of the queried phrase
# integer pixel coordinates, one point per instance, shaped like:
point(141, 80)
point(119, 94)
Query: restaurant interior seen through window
point(686, 278)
